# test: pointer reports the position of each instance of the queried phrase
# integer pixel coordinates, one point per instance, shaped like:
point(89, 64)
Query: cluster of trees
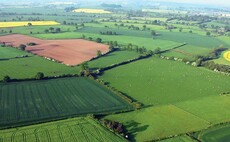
point(140, 50)
point(112, 45)
point(217, 67)
point(108, 33)
point(52, 30)
point(115, 126)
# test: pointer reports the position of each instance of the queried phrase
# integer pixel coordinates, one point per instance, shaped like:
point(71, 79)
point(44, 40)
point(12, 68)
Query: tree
point(29, 24)
point(190, 31)
point(99, 53)
point(22, 47)
point(10, 31)
point(208, 33)
point(181, 29)
point(6, 78)
point(64, 22)
point(153, 33)
point(58, 30)
point(39, 76)
point(98, 40)
point(46, 30)
point(51, 29)
point(84, 66)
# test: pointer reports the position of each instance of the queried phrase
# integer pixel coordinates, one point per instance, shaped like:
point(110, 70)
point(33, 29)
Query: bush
point(22, 47)
point(39, 76)
point(6, 78)
point(31, 44)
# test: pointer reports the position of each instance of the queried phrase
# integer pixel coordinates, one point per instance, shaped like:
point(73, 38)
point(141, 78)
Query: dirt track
point(69, 52)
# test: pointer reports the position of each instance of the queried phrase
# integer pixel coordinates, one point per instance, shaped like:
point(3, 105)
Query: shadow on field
point(133, 128)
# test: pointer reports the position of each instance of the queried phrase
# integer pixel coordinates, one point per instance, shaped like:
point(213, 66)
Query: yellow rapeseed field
point(227, 55)
point(25, 23)
point(98, 11)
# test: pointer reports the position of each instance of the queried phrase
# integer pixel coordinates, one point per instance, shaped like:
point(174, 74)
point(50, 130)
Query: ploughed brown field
point(69, 52)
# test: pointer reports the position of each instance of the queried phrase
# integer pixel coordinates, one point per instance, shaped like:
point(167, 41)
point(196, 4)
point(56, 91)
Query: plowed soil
point(69, 52)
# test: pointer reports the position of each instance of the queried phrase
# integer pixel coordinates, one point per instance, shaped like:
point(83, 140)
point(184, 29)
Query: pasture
point(161, 78)
point(69, 52)
point(27, 67)
point(153, 123)
point(112, 58)
point(38, 101)
point(71, 130)
point(182, 89)
point(25, 23)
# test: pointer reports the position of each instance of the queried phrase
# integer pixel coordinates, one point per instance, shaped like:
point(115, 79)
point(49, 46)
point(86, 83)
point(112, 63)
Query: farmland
point(25, 23)
point(69, 52)
point(27, 67)
point(97, 11)
point(75, 129)
point(227, 55)
point(113, 58)
point(109, 70)
point(45, 100)
point(158, 76)
point(215, 134)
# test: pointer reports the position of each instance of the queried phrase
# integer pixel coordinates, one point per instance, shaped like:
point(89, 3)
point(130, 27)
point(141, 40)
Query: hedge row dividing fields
point(37, 101)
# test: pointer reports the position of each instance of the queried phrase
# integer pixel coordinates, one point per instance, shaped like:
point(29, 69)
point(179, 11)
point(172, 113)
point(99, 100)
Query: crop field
point(36, 101)
point(152, 82)
point(97, 11)
point(215, 134)
point(227, 55)
point(69, 52)
point(27, 67)
point(71, 130)
point(113, 58)
point(25, 23)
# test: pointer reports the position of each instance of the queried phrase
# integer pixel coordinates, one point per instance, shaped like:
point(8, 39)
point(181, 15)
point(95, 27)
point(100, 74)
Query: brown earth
point(69, 52)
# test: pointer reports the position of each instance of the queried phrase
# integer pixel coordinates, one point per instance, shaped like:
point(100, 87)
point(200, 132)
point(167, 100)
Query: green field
point(113, 58)
point(70, 130)
point(189, 95)
point(38, 101)
point(179, 139)
point(215, 134)
point(159, 122)
point(28, 67)
point(160, 79)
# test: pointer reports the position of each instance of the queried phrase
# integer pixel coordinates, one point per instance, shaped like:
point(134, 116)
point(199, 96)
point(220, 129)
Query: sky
point(204, 2)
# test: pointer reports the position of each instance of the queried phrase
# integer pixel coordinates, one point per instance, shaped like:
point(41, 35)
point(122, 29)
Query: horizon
point(197, 2)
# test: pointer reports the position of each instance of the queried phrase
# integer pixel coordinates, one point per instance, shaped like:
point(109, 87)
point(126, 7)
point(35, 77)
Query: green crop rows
point(70, 130)
point(32, 101)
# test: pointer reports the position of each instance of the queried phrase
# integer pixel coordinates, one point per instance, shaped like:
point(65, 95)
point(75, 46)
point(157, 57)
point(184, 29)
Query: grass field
point(215, 134)
point(25, 23)
point(20, 68)
point(214, 109)
point(70, 130)
point(179, 139)
point(161, 78)
point(35, 101)
point(113, 58)
point(161, 85)
point(96, 11)
point(154, 122)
